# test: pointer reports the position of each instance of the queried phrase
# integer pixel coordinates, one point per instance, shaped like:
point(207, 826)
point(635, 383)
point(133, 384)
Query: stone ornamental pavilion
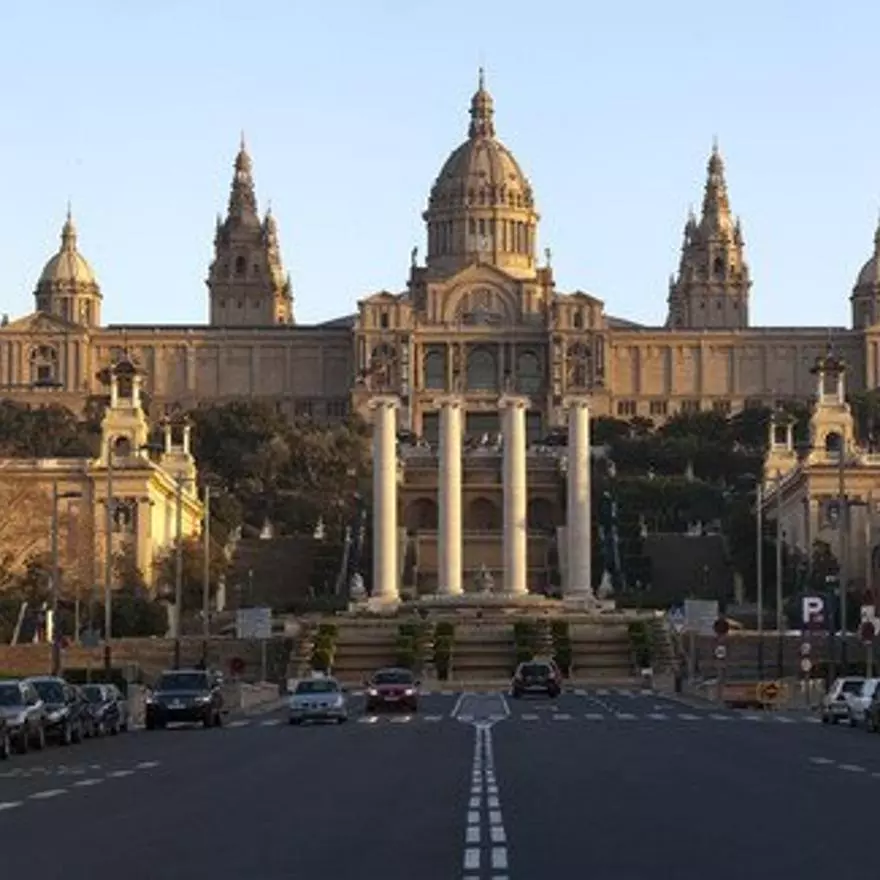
point(478, 324)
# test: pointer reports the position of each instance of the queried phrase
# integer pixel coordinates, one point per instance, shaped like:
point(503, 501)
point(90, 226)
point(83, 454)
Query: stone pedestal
point(385, 565)
point(449, 537)
point(578, 583)
point(513, 408)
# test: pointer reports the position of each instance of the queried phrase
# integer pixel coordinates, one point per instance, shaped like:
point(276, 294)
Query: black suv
point(536, 676)
point(192, 695)
point(68, 719)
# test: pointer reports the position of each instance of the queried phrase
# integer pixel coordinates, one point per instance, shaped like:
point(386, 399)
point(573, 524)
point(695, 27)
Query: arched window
point(579, 366)
point(44, 365)
point(482, 372)
point(240, 265)
point(528, 372)
point(482, 515)
point(435, 370)
point(833, 443)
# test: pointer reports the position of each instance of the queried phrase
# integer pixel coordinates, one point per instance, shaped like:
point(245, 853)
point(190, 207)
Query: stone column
point(578, 583)
point(449, 523)
point(385, 568)
point(514, 408)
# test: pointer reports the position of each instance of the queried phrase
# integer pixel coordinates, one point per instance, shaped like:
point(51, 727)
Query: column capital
point(576, 401)
point(448, 400)
point(384, 401)
point(513, 401)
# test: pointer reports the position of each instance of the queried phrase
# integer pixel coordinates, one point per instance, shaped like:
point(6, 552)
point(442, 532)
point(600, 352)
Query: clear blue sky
point(133, 111)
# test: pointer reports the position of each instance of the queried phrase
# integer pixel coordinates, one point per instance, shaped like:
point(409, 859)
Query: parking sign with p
point(813, 611)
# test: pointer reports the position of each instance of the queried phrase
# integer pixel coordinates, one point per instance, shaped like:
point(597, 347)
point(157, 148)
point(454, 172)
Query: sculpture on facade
point(483, 581)
point(612, 575)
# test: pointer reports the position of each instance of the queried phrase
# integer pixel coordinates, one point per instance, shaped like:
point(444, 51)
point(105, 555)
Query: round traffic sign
point(721, 627)
point(867, 631)
point(806, 647)
point(720, 652)
point(806, 664)
point(236, 666)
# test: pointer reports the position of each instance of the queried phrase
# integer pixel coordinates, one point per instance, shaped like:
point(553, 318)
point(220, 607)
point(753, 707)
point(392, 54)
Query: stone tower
point(712, 287)
point(247, 283)
point(865, 299)
point(481, 208)
point(67, 286)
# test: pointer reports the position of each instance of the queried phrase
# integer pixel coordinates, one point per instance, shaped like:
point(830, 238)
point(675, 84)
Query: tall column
point(515, 494)
point(578, 535)
point(385, 569)
point(449, 524)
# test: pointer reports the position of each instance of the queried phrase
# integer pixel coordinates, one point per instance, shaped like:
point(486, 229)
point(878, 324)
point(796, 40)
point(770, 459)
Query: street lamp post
point(108, 563)
point(780, 540)
point(178, 573)
point(56, 574)
point(206, 577)
point(759, 573)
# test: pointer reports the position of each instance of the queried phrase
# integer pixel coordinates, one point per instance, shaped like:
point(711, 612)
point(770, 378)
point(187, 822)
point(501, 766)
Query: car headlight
point(339, 702)
point(372, 692)
point(204, 699)
point(20, 719)
point(409, 692)
point(57, 714)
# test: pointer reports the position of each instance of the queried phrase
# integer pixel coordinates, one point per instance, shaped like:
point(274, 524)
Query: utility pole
point(206, 578)
point(759, 573)
point(178, 574)
point(843, 525)
point(56, 573)
point(108, 564)
point(780, 540)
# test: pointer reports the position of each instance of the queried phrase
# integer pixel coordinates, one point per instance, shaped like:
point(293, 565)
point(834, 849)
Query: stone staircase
point(483, 652)
point(362, 649)
point(600, 650)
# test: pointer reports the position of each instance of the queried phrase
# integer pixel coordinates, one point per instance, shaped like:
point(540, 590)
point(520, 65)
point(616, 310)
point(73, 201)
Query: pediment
point(382, 297)
point(486, 273)
point(579, 296)
point(41, 323)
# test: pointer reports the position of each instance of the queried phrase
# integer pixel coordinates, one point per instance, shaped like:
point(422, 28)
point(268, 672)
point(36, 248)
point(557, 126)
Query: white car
point(834, 704)
point(858, 703)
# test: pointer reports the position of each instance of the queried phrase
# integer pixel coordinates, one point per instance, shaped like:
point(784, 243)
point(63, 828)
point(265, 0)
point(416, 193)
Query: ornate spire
point(68, 232)
point(716, 206)
point(242, 198)
point(482, 111)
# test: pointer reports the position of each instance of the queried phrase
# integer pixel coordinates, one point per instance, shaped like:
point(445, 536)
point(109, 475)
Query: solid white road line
point(454, 711)
point(45, 795)
point(401, 719)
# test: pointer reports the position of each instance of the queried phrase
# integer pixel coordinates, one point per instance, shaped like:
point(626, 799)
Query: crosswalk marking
point(562, 716)
point(625, 716)
point(658, 716)
point(594, 716)
point(687, 716)
point(530, 716)
point(270, 722)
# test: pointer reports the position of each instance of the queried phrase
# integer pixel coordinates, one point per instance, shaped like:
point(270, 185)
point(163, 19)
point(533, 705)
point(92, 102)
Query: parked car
point(858, 703)
point(872, 714)
point(537, 677)
point(191, 695)
point(108, 707)
point(68, 719)
point(5, 740)
point(834, 705)
point(24, 713)
point(318, 699)
point(393, 688)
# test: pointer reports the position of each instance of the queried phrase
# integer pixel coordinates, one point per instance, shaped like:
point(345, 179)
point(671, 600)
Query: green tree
point(193, 558)
point(44, 432)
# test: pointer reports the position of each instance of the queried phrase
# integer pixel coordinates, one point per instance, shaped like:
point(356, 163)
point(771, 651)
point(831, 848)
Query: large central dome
point(481, 207)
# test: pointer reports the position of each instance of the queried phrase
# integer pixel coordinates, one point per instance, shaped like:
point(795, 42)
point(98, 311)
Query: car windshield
point(10, 695)
point(317, 686)
point(183, 681)
point(94, 693)
point(535, 670)
point(852, 686)
point(49, 691)
point(393, 676)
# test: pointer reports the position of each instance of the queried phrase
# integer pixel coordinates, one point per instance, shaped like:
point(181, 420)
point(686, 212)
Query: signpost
point(721, 628)
point(255, 623)
point(699, 616)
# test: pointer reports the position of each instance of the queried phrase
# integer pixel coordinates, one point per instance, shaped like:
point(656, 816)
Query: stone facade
point(480, 317)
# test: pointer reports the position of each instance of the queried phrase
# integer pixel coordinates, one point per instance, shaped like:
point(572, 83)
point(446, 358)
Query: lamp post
point(206, 577)
point(108, 563)
point(759, 573)
point(780, 540)
point(178, 573)
point(56, 574)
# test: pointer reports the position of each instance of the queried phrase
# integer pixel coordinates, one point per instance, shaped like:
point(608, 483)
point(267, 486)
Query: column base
point(383, 604)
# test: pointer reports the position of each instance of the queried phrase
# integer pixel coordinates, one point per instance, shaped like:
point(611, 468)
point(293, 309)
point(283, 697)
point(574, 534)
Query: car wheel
point(5, 747)
point(40, 742)
point(853, 722)
point(218, 721)
point(295, 722)
point(67, 734)
point(342, 719)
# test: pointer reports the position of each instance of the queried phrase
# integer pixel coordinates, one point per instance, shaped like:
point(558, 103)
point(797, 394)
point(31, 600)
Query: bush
point(641, 644)
point(324, 649)
point(561, 646)
point(525, 639)
point(444, 637)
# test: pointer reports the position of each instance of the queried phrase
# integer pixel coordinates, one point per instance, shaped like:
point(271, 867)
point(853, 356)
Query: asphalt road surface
point(603, 784)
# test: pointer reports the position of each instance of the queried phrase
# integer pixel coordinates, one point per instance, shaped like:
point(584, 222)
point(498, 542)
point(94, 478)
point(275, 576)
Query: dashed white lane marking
point(499, 858)
point(472, 858)
point(401, 719)
point(580, 692)
point(602, 692)
point(87, 783)
point(687, 716)
point(784, 719)
point(368, 719)
point(239, 723)
point(752, 717)
point(529, 716)
point(433, 717)
point(49, 793)
point(496, 832)
point(9, 805)
point(658, 716)
point(270, 722)
point(120, 774)
point(717, 716)
point(821, 761)
point(472, 834)
point(562, 716)
point(147, 765)
point(594, 716)
point(625, 716)
point(851, 768)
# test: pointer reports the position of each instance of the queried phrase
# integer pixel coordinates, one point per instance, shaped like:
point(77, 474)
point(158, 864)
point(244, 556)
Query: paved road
point(603, 783)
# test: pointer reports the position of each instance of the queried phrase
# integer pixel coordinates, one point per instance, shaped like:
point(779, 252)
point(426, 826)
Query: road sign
point(867, 631)
point(769, 691)
point(720, 652)
point(236, 666)
point(806, 665)
point(721, 626)
point(676, 619)
point(700, 615)
point(813, 610)
point(806, 647)
point(253, 623)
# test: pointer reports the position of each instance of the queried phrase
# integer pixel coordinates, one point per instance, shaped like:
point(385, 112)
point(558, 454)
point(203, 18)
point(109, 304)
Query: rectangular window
point(754, 403)
point(303, 408)
point(690, 406)
point(626, 408)
point(721, 406)
point(659, 407)
point(337, 409)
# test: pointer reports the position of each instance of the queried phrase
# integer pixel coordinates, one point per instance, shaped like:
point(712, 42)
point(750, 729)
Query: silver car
point(318, 699)
point(25, 715)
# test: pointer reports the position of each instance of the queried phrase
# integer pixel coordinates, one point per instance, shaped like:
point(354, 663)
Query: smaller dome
point(68, 266)
point(869, 276)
